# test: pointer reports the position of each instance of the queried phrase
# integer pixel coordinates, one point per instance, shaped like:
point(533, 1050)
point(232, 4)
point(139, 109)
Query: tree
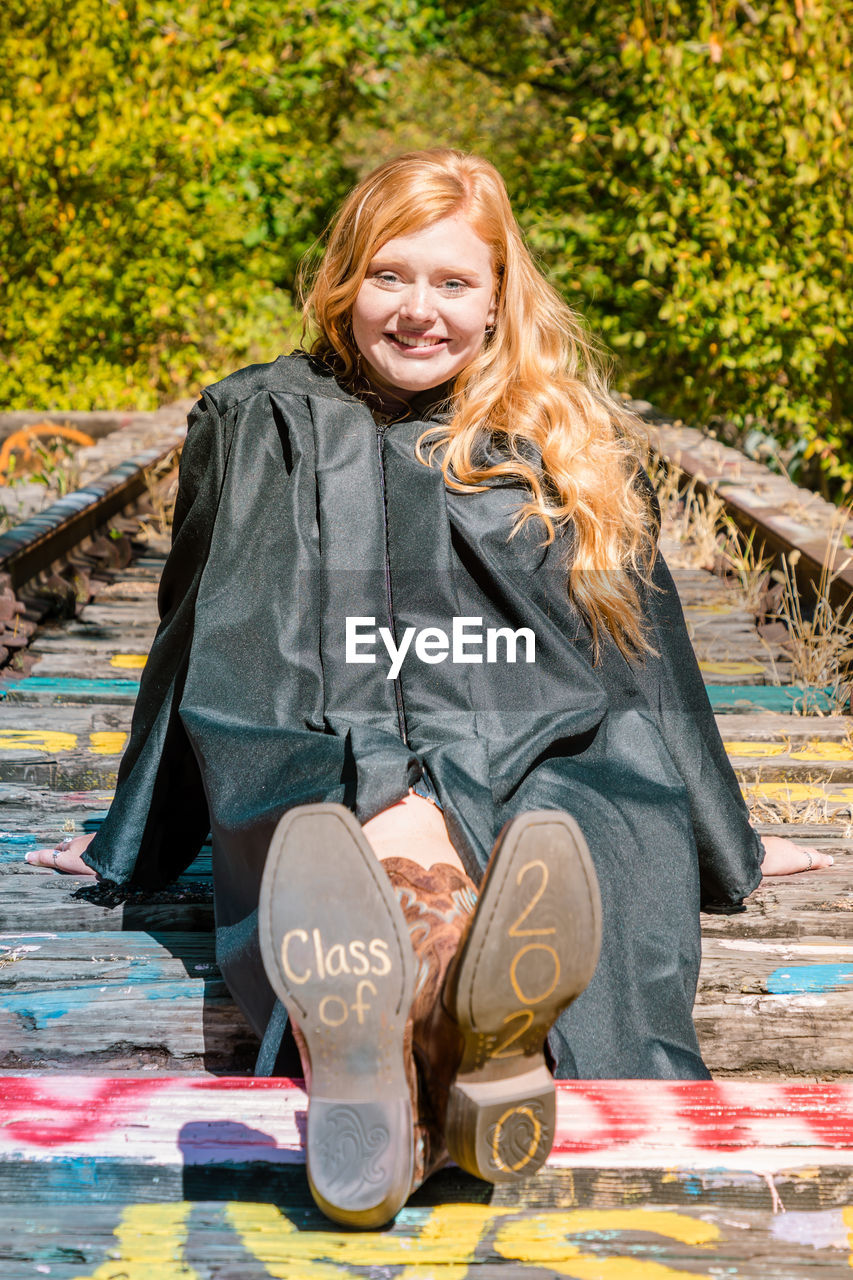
point(166, 166)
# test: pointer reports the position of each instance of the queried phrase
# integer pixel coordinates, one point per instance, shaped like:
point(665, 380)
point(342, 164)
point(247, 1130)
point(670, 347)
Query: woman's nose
point(417, 304)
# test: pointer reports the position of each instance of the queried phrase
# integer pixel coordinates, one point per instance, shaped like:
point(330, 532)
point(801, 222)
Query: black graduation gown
point(296, 512)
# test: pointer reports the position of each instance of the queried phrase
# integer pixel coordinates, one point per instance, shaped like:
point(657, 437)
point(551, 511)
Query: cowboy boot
point(531, 949)
point(437, 903)
point(336, 949)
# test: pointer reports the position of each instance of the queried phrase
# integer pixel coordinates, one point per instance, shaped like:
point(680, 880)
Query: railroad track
point(127, 1068)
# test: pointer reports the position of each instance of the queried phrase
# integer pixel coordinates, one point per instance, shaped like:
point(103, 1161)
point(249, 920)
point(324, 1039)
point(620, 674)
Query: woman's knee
point(413, 828)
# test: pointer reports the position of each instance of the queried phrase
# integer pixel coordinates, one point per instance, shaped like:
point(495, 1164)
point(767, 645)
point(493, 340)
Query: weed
point(781, 809)
point(161, 483)
point(689, 516)
point(820, 639)
point(750, 570)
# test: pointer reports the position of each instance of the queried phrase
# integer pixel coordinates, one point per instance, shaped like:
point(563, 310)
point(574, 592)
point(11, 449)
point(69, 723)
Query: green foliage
point(681, 166)
point(683, 169)
point(165, 167)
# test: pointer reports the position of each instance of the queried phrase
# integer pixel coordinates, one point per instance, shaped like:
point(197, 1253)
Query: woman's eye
point(386, 277)
point(455, 286)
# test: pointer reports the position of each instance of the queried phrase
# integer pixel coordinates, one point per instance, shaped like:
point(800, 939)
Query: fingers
point(816, 859)
point(785, 858)
point(64, 857)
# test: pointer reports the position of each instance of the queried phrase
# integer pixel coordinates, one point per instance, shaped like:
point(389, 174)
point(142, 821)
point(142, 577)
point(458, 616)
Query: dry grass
point(691, 518)
point(161, 484)
point(750, 569)
point(819, 643)
point(820, 640)
point(783, 809)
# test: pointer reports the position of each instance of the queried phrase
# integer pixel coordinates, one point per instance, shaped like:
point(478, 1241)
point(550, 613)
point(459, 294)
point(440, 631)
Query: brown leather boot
point(531, 949)
point(438, 904)
point(336, 949)
point(481, 1015)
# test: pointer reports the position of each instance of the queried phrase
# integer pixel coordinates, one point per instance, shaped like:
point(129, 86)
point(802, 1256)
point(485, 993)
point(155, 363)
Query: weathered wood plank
point(779, 1009)
point(769, 1127)
point(40, 961)
point(777, 1035)
point(249, 1238)
point(83, 665)
point(771, 727)
point(47, 902)
point(207, 1175)
point(741, 966)
point(730, 966)
point(178, 1024)
point(54, 691)
point(810, 906)
point(742, 699)
point(81, 645)
point(87, 742)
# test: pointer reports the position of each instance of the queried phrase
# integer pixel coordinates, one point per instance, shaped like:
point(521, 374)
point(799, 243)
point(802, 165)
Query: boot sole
point(336, 948)
point(531, 949)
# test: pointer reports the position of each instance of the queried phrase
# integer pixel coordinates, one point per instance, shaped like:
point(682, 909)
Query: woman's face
point(421, 313)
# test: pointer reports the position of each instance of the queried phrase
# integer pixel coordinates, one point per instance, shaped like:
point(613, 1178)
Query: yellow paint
point(540, 1240)
point(448, 1239)
point(817, 751)
point(47, 740)
point(451, 1231)
point(800, 791)
point(720, 608)
point(732, 668)
point(268, 1235)
point(107, 744)
point(130, 661)
point(847, 1219)
point(823, 751)
point(151, 1240)
point(151, 1243)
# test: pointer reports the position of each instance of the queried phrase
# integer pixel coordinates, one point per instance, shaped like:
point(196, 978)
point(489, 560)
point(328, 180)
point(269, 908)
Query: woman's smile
point(416, 341)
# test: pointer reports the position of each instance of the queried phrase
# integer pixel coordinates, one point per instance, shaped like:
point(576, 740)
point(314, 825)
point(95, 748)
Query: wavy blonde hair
point(539, 380)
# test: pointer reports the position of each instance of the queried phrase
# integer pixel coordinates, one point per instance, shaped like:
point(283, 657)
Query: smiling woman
point(423, 308)
point(420, 861)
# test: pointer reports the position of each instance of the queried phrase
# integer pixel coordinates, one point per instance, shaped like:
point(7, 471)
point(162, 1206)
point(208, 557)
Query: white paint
point(785, 949)
point(822, 1229)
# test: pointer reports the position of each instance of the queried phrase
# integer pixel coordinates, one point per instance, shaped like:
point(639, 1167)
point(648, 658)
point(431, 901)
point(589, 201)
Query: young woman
point(414, 614)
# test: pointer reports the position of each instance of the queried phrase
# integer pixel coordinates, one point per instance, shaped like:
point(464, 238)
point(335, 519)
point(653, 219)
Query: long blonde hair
point(540, 379)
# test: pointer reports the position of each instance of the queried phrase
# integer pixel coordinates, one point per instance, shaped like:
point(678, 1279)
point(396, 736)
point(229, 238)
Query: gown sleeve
point(159, 819)
point(730, 852)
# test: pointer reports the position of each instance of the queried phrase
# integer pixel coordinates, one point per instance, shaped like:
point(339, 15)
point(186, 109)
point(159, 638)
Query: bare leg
point(414, 828)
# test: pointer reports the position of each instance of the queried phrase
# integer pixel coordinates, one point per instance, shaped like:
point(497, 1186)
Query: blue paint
point(42, 1007)
point(801, 979)
point(62, 686)
point(768, 697)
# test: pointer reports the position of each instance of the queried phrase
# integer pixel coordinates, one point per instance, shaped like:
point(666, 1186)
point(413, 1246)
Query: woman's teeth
point(416, 342)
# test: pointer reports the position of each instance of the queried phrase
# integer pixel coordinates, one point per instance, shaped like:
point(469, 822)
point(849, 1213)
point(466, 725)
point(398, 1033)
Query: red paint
point(610, 1113)
point(596, 1115)
point(704, 1115)
point(53, 1116)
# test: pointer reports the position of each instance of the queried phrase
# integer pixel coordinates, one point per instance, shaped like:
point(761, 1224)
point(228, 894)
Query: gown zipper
point(381, 428)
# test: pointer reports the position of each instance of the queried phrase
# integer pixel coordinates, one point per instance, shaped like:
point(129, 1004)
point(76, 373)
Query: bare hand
point(64, 857)
point(782, 857)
